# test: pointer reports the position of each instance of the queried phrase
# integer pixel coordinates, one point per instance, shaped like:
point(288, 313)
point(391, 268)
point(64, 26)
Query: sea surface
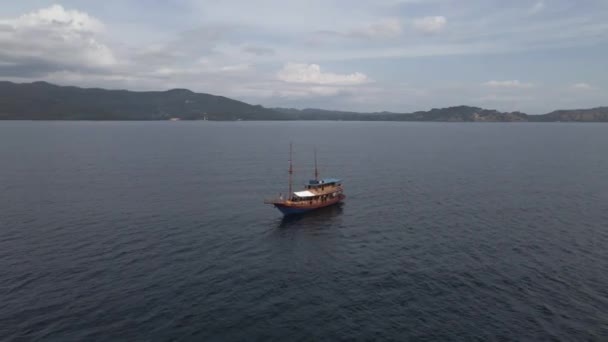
point(157, 231)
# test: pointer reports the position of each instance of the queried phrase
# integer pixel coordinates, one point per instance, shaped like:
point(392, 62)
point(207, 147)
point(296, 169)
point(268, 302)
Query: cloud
point(430, 25)
point(235, 67)
point(203, 67)
point(223, 49)
point(312, 74)
point(307, 81)
point(504, 98)
point(538, 7)
point(258, 50)
point(307, 92)
point(202, 40)
point(57, 16)
point(386, 28)
point(53, 39)
point(582, 86)
point(508, 84)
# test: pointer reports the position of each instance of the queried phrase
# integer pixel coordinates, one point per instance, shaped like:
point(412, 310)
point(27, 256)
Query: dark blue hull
point(293, 211)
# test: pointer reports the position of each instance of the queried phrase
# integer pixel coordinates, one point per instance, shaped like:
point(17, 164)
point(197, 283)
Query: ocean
point(157, 231)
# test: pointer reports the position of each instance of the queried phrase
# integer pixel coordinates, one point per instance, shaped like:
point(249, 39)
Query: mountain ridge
point(46, 101)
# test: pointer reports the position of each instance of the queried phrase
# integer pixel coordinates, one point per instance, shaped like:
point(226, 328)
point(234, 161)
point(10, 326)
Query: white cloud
point(508, 84)
point(430, 24)
point(307, 92)
point(504, 98)
point(203, 67)
point(57, 16)
point(53, 39)
point(582, 86)
point(386, 28)
point(539, 6)
point(306, 81)
point(258, 50)
point(235, 67)
point(312, 74)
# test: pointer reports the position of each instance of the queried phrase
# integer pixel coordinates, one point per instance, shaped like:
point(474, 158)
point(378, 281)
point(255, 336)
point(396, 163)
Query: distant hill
point(45, 101)
point(452, 114)
point(599, 114)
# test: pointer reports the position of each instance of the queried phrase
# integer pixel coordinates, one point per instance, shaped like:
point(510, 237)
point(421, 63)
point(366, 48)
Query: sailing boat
point(318, 193)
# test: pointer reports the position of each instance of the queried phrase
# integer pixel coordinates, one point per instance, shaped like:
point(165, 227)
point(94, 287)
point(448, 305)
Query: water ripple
point(161, 234)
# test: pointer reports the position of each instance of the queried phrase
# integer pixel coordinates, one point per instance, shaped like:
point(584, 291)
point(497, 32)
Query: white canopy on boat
point(304, 193)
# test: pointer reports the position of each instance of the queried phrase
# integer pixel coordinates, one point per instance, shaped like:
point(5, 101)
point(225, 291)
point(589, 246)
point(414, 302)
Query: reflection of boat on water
point(318, 193)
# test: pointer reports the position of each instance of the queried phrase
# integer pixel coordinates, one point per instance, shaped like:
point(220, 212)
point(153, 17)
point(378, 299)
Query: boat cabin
point(320, 184)
point(319, 190)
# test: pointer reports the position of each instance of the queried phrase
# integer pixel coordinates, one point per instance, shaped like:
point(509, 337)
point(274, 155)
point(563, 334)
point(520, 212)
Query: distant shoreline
point(304, 120)
point(48, 102)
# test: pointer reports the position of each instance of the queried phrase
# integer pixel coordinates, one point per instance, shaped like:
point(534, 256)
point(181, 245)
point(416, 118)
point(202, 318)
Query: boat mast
point(290, 169)
point(316, 170)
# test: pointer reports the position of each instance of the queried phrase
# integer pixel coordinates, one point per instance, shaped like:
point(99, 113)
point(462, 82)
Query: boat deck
point(306, 203)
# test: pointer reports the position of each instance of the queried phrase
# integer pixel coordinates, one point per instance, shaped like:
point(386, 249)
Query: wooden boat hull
point(301, 208)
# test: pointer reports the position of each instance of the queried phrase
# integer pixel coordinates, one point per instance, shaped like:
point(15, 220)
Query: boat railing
point(283, 200)
point(274, 200)
point(327, 190)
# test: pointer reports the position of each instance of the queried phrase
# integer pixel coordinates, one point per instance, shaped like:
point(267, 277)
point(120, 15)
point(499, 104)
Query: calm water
point(157, 231)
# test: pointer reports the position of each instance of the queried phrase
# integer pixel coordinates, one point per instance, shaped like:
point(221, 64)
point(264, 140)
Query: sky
point(384, 55)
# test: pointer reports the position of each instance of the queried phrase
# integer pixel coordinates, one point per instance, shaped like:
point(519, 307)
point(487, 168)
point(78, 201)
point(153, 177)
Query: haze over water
point(157, 231)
